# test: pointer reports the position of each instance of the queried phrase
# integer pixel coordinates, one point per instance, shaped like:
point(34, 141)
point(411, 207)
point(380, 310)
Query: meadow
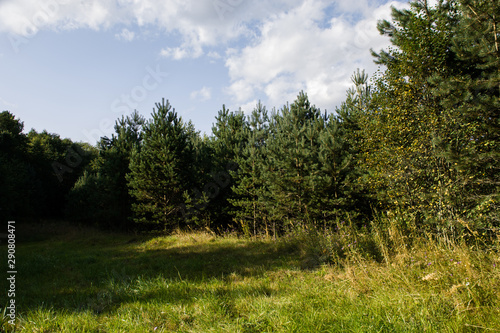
point(80, 279)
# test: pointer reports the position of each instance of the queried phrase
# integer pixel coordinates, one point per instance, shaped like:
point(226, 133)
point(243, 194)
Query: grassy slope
point(82, 280)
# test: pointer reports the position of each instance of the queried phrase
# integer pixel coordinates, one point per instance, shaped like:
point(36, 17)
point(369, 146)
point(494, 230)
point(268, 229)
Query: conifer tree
point(292, 170)
point(248, 190)
point(335, 192)
point(194, 211)
point(161, 169)
point(340, 153)
point(101, 195)
point(226, 144)
point(471, 98)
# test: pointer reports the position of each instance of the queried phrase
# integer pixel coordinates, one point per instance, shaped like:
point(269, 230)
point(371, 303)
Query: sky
point(73, 67)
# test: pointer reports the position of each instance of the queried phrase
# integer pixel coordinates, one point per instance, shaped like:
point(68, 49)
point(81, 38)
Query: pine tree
point(471, 98)
point(226, 144)
point(194, 211)
point(161, 168)
point(101, 195)
point(335, 191)
point(249, 209)
point(340, 154)
point(292, 170)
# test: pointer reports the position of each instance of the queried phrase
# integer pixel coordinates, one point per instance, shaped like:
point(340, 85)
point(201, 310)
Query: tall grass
point(457, 277)
point(375, 278)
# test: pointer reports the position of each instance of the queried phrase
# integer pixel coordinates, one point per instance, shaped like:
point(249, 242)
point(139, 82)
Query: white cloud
point(313, 45)
point(125, 35)
point(249, 107)
point(296, 50)
point(200, 23)
point(27, 17)
point(214, 55)
point(204, 94)
point(183, 51)
point(241, 90)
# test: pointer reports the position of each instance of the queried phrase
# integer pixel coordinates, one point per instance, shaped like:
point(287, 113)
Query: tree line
point(419, 140)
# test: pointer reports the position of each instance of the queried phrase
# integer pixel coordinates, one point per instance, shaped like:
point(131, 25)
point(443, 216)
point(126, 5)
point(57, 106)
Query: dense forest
point(419, 141)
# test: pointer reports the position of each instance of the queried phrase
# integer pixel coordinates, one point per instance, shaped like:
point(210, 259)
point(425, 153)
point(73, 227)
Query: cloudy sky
point(73, 67)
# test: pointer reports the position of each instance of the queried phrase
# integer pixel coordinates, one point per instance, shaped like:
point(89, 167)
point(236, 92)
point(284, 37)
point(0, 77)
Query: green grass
point(82, 280)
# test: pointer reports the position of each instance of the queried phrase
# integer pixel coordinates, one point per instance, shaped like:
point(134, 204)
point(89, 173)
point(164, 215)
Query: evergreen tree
point(335, 192)
point(100, 196)
point(471, 98)
point(226, 144)
point(250, 210)
point(161, 169)
point(293, 170)
point(340, 152)
point(194, 211)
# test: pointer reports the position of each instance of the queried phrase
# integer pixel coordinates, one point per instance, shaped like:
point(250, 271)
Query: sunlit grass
point(83, 280)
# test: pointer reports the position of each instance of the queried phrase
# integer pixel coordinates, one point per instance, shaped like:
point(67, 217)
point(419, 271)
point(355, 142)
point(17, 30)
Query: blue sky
point(73, 67)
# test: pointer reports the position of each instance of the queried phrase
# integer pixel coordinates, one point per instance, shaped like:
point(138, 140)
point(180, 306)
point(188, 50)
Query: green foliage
point(47, 152)
point(292, 168)
point(340, 153)
point(101, 195)
point(11, 136)
point(160, 169)
point(211, 197)
point(415, 131)
point(14, 171)
point(419, 142)
point(419, 145)
point(298, 168)
point(471, 99)
point(250, 208)
point(32, 188)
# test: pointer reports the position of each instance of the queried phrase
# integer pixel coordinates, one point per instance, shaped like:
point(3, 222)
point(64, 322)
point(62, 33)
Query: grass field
point(74, 279)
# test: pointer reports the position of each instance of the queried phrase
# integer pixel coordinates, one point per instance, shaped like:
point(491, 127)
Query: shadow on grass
point(81, 270)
